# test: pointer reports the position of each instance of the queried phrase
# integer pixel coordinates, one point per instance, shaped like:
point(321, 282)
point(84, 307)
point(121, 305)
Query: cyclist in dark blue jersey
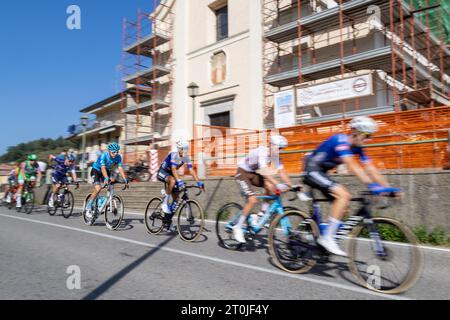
point(101, 172)
point(63, 166)
point(168, 173)
point(341, 149)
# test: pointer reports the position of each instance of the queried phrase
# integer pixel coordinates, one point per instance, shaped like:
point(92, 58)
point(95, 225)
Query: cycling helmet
point(183, 145)
point(32, 157)
point(114, 147)
point(71, 157)
point(279, 141)
point(32, 179)
point(364, 125)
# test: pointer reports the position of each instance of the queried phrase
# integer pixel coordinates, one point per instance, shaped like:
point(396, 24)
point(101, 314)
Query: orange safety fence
point(414, 139)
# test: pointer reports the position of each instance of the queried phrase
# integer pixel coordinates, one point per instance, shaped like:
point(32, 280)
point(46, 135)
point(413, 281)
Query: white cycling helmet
point(364, 124)
point(279, 141)
point(183, 145)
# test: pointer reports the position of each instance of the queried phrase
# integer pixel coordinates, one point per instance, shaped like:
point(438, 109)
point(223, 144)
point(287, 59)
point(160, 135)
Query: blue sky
point(48, 73)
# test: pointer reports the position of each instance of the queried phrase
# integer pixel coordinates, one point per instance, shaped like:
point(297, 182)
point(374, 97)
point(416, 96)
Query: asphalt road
point(36, 251)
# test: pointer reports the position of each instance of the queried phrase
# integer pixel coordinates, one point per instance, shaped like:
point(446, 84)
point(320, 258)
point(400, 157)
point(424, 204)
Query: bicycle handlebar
point(127, 185)
point(195, 187)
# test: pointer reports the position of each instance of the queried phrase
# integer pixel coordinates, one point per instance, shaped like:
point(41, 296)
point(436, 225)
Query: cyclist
point(101, 172)
point(258, 169)
point(59, 177)
point(28, 172)
point(340, 149)
point(12, 181)
point(168, 173)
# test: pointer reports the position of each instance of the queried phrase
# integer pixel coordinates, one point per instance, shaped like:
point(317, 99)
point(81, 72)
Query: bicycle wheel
point(154, 216)
point(227, 217)
point(67, 204)
point(29, 202)
point(384, 256)
point(191, 221)
point(292, 241)
point(89, 221)
point(114, 212)
point(52, 211)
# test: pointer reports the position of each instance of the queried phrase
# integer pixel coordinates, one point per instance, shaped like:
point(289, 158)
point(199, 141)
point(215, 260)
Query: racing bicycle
point(111, 206)
point(64, 200)
point(383, 254)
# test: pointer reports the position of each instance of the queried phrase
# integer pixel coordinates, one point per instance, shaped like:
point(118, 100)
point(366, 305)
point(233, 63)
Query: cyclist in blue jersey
point(63, 166)
point(101, 172)
point(168, 174)
point(341, 149)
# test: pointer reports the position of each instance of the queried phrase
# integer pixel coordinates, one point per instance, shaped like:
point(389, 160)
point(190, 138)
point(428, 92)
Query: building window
point(218, 68)
point(220, 119)
point(222, 23)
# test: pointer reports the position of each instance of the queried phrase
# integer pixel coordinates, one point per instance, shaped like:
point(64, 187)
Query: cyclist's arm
point(122, 173)
point(194, 174)
point(104, 172)
point(356, 169)
point(375, 174)
point(284, 176)
point(175, 173)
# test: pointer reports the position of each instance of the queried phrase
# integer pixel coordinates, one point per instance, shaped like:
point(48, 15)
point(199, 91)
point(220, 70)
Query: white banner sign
point(284, 109)
point(335, 91)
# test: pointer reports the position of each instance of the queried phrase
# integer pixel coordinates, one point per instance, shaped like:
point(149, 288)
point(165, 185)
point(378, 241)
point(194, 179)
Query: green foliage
point(437, 236)
point(42, 148)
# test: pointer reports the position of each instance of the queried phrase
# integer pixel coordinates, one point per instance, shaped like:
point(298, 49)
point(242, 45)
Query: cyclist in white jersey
point(258, 169)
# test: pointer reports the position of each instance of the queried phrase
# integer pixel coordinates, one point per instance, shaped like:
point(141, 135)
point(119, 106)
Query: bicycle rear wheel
point(154, 216)
point(51, 211)
point(389, 265)
point(292, 241)
point(67, 205)
point(191, 221)
point(226, 218)
point(89, 221)
point(114, 212)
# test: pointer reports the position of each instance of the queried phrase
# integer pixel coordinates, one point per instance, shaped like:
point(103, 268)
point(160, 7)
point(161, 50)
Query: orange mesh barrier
point(223, 147)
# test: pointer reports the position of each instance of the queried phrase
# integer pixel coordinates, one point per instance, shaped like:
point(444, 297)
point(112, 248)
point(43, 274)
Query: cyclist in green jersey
point(29, 173)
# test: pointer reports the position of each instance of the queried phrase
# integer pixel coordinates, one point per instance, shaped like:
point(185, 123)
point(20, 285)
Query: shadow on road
point(105, 286)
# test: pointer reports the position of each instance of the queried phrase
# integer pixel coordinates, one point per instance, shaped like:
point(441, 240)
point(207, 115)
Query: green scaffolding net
point(438, 16)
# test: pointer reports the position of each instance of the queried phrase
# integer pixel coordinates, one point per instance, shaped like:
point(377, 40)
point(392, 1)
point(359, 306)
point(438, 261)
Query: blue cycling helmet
point(114, 147)
point(71, 157)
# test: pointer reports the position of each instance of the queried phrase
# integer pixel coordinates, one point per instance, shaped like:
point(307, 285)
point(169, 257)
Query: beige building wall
point(195, 44)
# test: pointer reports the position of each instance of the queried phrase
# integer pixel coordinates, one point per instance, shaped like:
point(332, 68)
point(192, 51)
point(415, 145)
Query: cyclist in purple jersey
point(341, 149)
point(59, 177)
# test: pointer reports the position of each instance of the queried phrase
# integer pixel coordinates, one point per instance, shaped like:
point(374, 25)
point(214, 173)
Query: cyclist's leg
point(340, 198)
point(20, 191)
point(97, 179)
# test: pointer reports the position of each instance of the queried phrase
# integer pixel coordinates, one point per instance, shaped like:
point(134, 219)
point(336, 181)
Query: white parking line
point(218, 260)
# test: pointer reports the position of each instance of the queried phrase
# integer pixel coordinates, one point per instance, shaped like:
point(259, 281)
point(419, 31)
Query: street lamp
point(193, 90)
point(84, 123)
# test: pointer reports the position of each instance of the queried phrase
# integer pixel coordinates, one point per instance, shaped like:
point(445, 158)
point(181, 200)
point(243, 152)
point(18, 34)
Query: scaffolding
point(147, 77)
point(402, 44)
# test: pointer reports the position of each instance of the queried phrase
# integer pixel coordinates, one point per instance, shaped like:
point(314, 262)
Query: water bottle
point(254, 219)
point(173, 207)
point(323, 228)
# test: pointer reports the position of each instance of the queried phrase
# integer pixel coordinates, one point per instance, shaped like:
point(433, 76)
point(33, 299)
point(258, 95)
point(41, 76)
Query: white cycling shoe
point(89, 214)
point(165, 208)
point(331, 246)
point(238, 234)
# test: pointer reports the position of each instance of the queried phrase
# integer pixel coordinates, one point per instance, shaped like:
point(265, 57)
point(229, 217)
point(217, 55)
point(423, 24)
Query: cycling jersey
point(61, 168)
point(173, 160)
point(330, 153)
point(28, 170)
point(260, 158)
point(105, 160)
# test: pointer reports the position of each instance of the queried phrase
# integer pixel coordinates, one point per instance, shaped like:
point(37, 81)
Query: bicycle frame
point(275, 208)
point(363, 214)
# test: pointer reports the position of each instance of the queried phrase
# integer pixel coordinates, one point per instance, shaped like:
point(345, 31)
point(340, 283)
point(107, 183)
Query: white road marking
point(218, 260)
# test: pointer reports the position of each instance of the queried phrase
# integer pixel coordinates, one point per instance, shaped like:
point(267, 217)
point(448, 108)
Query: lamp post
point(84, 123)
point(193, 90)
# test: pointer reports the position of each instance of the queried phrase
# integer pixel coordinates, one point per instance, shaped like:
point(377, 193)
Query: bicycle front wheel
point(191, 221)
point(226, 218)
point(52, 210)
point(114, 212)
point(67, 205)
point(292, 241)
point(154, 216)
point(384, 256)
point(29, 202)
